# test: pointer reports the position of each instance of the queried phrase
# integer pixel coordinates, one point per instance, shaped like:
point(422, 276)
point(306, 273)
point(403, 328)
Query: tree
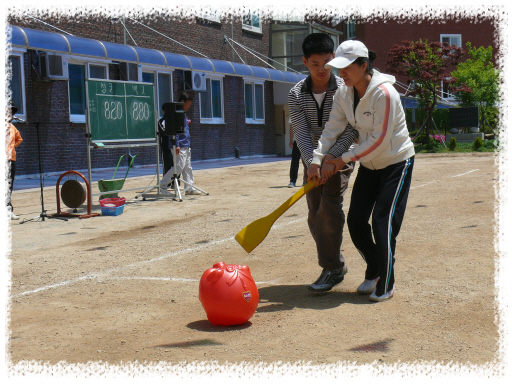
point(426, 66)
point(478, 72)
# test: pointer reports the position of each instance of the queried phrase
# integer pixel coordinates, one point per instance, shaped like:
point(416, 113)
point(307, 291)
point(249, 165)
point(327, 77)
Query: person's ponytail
point(370, 59)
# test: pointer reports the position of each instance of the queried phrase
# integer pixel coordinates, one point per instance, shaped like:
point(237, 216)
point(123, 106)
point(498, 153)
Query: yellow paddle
point(252, 235)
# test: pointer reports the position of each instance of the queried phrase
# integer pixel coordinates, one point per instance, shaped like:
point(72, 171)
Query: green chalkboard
point(120, 110)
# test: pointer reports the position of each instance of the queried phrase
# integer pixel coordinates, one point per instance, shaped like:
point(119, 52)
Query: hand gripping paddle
point(252, 235)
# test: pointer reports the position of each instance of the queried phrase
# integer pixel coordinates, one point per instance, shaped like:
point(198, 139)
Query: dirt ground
point(125, 288)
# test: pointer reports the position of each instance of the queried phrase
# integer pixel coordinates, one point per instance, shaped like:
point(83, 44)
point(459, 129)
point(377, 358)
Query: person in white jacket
point(368, 102)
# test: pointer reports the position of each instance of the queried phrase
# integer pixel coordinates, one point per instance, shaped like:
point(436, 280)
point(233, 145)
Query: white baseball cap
point(347, 53)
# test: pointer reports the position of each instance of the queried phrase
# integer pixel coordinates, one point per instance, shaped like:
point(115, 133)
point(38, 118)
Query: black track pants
point(294, 165)
point(381, 194)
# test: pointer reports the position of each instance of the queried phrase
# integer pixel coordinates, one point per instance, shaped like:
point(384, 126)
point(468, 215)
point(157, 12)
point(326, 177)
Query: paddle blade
point(252, 235)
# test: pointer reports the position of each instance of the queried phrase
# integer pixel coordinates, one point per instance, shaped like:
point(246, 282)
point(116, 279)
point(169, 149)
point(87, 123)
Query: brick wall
point(63, 144)
point(381, 35)
point(204, 37)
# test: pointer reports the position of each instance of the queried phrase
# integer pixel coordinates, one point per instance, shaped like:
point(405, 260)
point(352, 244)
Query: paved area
point(50, 180)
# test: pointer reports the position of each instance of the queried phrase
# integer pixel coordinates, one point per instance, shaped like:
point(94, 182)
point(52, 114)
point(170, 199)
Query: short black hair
point(317, 43)
point(185, 96)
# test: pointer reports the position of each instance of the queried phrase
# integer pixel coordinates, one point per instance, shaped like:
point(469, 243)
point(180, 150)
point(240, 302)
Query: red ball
point(228, 294)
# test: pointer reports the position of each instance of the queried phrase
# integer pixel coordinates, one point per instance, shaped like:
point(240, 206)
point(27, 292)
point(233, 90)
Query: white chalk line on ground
point(419, 186)
point(465, 173)
point(91, 276)
point(173, 279)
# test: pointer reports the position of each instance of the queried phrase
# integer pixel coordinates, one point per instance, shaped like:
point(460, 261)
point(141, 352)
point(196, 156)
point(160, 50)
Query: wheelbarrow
point(113, 184)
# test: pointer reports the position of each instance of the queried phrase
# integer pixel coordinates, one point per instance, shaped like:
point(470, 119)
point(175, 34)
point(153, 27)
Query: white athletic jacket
point(380, 120)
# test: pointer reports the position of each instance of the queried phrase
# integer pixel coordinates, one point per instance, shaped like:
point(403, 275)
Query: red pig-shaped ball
point(228, 294)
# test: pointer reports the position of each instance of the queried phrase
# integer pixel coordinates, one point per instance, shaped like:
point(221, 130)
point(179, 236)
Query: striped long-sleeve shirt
point(309, 118)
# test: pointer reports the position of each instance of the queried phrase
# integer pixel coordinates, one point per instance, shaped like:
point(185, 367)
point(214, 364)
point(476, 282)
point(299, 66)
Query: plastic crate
point(112, 211)
point(112, 202)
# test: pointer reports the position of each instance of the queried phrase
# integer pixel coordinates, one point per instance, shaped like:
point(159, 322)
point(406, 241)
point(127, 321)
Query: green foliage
point(461, 147)
point(440, 115)
point(453, 144)
point(479, 74)
point(478, 143)
point(426, 66)
point(431, 145)
point(491, 144)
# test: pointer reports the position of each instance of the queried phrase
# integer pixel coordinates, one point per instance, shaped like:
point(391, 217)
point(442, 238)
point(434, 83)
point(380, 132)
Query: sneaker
point(164, 192)
point(328, 280)
point(13, 216)
point(192, 192)
point(384, 297)
point(367, 286)
point(291, 185)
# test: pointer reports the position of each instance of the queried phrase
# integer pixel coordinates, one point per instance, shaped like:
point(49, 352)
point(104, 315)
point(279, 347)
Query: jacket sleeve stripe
point(384, 126)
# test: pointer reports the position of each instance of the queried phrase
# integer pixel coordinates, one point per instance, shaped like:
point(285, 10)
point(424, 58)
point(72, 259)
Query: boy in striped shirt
point(310, 102)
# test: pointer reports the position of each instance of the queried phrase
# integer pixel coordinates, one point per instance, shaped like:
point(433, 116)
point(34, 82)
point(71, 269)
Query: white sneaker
point(386, 296)
point(164, 192)
point(192, 192)
point(13, 216)
point(367, 286)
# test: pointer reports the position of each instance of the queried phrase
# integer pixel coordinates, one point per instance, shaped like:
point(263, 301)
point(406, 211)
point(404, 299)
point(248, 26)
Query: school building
point(240, 70)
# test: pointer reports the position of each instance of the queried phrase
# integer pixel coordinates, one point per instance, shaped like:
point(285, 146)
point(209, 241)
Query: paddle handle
point(292, 200)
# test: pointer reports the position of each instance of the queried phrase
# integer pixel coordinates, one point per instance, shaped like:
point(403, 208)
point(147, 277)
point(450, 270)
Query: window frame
point(450, 96)
point(156, 71)
point(254, 119)
point(88, 72)
point(349, 24)
point(75, 118)
point(212, 15)
point(213, 120)
point(20, 53)
point(251, 27)
point(450, 35)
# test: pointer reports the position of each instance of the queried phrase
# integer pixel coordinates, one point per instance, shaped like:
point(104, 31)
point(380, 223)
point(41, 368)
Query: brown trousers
point(326, 217)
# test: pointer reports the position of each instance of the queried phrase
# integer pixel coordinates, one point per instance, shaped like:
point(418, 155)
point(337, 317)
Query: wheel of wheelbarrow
point(73, 193)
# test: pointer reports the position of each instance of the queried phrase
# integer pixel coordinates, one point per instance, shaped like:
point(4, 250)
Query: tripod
point(424, 125)
point(174, 178)
point(43, 213)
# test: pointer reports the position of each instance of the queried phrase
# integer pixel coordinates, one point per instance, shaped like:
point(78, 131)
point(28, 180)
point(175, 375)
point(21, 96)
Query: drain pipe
point(237, 150)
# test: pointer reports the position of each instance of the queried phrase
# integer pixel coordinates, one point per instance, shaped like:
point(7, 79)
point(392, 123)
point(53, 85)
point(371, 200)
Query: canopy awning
point(72, 45)
point(412, 102)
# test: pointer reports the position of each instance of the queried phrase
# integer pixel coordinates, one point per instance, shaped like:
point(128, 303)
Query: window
point(97, 71)
point(254, 103)
point(251, 22)
point(287, 46)
point(452, 40)
point(287, 39)
point(445, 92)
point(164, 89)
point(212, 102)
point(16, 84)
point(328, 31)
point(78, 73)
point(148, 77)
point(351, 29)
point(76, 86)
point(211, 15)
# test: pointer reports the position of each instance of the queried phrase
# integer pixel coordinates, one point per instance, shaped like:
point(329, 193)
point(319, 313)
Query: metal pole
point(157, 149)
point(88, 141)
point(124, 30)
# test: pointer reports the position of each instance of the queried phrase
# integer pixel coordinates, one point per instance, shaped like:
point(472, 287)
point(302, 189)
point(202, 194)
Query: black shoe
point(328, 279)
